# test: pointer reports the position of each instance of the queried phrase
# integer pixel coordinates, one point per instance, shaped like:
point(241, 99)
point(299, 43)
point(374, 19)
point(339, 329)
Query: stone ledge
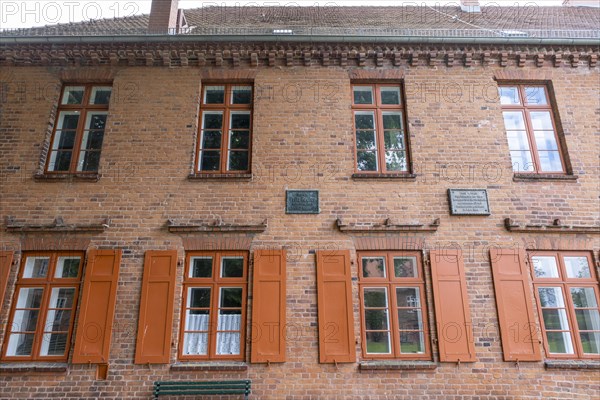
point(544, 177)
point(32, 367)
point(572, 364)
point(401, 177)
point(209, 366)
point(226, 177)
point(396, 365)
point(67, 177)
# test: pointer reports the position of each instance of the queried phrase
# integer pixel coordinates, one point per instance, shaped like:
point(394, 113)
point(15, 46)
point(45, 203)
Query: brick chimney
point(163, 17)
point(581, 3)
point(470, 6)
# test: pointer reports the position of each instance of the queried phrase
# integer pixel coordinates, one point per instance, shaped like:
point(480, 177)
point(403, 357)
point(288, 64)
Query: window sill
point(32, 367)
point(396, 365)
point(210, 366)
point(544, 177)
point(572, 364)
point(67, 177)
point(226, 177)
point(404, 177)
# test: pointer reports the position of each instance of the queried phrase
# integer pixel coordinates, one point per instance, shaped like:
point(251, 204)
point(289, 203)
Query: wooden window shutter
point(515, 305)
point(334, 292)
point(155, 323)
point(268, 306)
point(455, 331)
point(6, 259)
point(97, 308)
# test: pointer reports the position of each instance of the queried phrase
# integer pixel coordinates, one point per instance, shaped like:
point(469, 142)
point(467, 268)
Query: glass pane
point(392, 120)
point(560, 342)
point(412, 342)
point(231, 297)
point(555, 319)
point(63, 140)
point(365, 140)
point(364, 120)
point(60, 161)
point(517, 140)
point(211, 139)
point(100, 95)
point(545, 140)
point(195, 343)
point(373, 267)
point(228, 343)
point(239, 140)
point(233, 267)
point(30, 298)
point(408, 297)
point(240, 120)
point(540, 120)
point(197, 320)
point(199, 298)
point(73, 95)
point(62, 298)
point(363, 95)
point(577, 267)
point(24, 321)
point(509, 95)
point(521, 161)
point(410, 319)
point(378, 342)
point(390, 95)
point(241, 95)
point(19, 345)
point(58, 321)
point(92, 140)
point(545, 267)
point(238, 161)
point(550, 161)
point(405, 267)
point(201, 267)
point(36, 267)
point(214, 94)
point(584, 297)
point(375, 297)
point(588, 320)
point(67, 267)
point(376, 320)
point(536, 95)
point(53, 344)
point(96, 121)
point(590, 341)
point(551, 297)
point(395, 160)
point(513, 120)
point(212, 120)
point(366, 161)
point(394, 140)
point(68, 120)
point(210, 160)
point(88, 161)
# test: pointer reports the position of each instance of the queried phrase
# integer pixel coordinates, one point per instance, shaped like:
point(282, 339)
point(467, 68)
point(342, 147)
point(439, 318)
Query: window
point(225, 129)
point(79, 129)
point(531, 129)
point(392, 301)
point(566, 291)
point(379, 123)
point(213, 318)
point(41, 318)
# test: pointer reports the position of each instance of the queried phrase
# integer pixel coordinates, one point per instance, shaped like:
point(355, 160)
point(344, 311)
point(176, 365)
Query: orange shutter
point(336, 322)
point(268, 306)
point(97, 308)
point(6, 258)
point(155, 322)
point(455, 330)
point(515, 305)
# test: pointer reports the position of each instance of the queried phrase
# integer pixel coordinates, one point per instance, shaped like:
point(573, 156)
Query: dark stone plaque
point(302, 201)
point(468, 202)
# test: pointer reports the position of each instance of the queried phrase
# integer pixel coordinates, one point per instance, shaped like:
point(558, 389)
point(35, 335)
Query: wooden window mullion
point(529, 130)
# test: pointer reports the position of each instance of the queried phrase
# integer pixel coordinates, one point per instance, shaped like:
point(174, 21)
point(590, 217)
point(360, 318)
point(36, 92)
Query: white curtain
point(227, 342)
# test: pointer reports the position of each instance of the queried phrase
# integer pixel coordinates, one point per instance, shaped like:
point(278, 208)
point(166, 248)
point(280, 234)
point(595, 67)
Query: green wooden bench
point(173, 388)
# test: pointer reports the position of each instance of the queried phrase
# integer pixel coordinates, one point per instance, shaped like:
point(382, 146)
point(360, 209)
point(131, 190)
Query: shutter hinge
point(426, 261)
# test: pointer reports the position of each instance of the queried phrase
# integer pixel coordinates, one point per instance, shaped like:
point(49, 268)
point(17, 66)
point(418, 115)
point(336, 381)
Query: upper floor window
point(392, 302)
point(531, 129)
point(79, 129)
point(42, 313)
point(566, 290)
point(225, 134)
point(380, 128)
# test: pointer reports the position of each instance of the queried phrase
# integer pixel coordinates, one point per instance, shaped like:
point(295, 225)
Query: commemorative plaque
point(302, 202)
point(468, 202)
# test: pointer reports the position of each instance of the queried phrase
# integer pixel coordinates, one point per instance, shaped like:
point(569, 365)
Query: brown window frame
point(390, 283)
point(47, 283)
point(84, 108)
point(565, 283)
point(226, 107)
point(378, 108)
point(215, 283)
point(525, 108)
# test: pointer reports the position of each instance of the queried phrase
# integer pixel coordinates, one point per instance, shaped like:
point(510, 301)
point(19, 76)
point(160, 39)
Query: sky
point(29, 13)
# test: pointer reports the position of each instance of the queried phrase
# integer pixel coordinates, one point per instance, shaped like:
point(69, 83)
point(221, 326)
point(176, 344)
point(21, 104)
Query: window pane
point(231, 297)
point(390, 95)
point(214, 94)
point(62, 298)
point(545, 140)
point(378, 342)
point(68, 120)
point(513, 120)
point(364, 120)
point(366, 140)
point(232, 267)
point(89, 161)
point(53, 344)
point(67, 267)
point(73, 95)
point(238, 161)
point(373, 267)
point(239, 140)
point(199, 297)
point(540, 120)
point(201, 267)
point(560, 342)
point(58, 321)
point(376, 320)
point(408, 297)
point(30, 298)
point(25, 321)
point(240, 120)
point(410, 319)
point(375, 297)
point(517, 140)
point(195, 343)
point(363, 95)
point(588, 320)
point(551, 297)
point(64, 140)
point(590, 341)
point(544, 267)
point(241, 95)
point(584, 297)
point(395, 161)
point(521, 161)
point(211, 139)
point(550, 161)
point(555, 319)
point(412, 342)
point(60, 161)
point(36, 267)
point(20, 345)
point(577, 267)
point(228, 343)
point(366, 161)
point(509, 95)
point(536, 95)
point(394, 140)
point(210, 160)
point(213, 120)
point(100, 95)
point(392, 120)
